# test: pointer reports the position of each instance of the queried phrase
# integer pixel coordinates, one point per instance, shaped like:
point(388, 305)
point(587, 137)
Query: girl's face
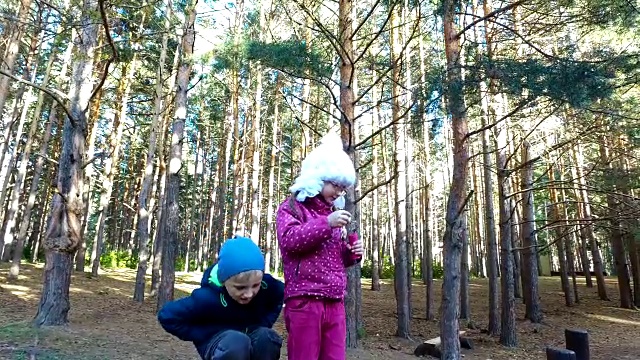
point(331, 191)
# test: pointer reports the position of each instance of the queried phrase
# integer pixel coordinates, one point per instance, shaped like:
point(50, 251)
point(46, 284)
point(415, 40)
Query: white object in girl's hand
point(339, 203)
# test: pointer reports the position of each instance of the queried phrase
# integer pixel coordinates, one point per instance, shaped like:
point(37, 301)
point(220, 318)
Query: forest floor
point(106, 324)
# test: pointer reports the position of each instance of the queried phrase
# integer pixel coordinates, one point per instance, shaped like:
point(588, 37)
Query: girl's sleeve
point(296, 237)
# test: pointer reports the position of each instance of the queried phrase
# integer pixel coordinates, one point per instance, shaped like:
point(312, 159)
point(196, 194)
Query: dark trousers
point(259, 344)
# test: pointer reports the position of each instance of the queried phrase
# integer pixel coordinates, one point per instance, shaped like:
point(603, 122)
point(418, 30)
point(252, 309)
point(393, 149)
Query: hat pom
point(327, 162)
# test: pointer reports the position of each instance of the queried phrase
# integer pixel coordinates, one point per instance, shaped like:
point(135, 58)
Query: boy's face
point(243, 289)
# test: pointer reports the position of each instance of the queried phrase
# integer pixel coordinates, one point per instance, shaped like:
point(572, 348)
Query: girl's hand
point(356, 248)
point(339, 218)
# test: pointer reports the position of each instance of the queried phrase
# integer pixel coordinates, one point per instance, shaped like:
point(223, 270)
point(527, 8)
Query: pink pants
point(316, 328)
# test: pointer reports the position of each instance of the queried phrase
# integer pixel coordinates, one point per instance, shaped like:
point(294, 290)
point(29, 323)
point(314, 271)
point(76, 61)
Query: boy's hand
point(339, 218)
point(357, 248)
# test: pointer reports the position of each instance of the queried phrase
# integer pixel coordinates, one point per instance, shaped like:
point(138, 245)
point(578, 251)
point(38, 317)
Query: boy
point(231, 315)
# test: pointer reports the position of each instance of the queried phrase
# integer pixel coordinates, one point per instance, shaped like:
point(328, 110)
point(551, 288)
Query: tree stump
point(577, 341)
point(431, 347)
point(560, 354)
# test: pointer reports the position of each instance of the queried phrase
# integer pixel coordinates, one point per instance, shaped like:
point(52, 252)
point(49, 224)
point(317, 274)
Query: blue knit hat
point(236, 255)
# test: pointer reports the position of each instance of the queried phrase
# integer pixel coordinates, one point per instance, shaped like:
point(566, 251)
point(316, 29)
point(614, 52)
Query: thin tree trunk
point(399, 134)
point(171, 222)
point(112, 162)
point(16, 31)
point(585, 204)
point(508, 336)
point(533, 311)
point(147, 182)
point(257, 134)
point(556, 217)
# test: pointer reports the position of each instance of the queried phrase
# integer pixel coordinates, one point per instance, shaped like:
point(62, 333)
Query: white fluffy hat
point(327, 162)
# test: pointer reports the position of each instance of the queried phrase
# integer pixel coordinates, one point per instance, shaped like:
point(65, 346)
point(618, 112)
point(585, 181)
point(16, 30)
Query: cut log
point(431, 347)
point(560, 354)
point(436, 341)
point(578, 342)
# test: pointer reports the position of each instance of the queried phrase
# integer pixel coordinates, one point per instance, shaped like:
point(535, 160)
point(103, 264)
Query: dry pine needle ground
point(106, 324)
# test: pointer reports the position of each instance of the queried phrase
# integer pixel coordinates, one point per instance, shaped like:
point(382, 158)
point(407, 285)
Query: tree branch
point(112, 58)
point(55, 94)
point(489, 15)
point(376, 186)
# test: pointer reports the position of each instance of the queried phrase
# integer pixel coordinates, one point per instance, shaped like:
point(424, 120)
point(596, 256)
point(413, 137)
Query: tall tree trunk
point(348, 134)
point(585, 204)
point(16, 32)
point(375, 218)
point(508, 335)
point(171, 213)
point(491, 237)
point(529, 240)
point(147, 182)
point(560, 229)
point(64, 228)
point(399, 137)
point(10, 217)
point(275, 141)
point(457, 200)
point(112, 162)
point(257, 134)
point(617, 242)
point(8, 220)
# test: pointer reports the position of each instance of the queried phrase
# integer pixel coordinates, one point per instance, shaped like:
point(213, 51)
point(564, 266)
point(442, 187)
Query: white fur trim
point(327, 162)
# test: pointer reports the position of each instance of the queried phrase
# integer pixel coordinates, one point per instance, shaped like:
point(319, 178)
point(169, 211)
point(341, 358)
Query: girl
point(315, 253)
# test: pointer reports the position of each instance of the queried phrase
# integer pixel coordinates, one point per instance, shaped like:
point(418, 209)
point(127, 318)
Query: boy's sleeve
point(276, 299)
point(181, 317)
point(295, 237)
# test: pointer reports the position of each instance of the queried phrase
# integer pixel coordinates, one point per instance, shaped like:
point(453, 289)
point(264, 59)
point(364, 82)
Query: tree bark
point(533, 311)
point(457, 201)
point(147, 182)
point(172, 221)
point(12, 49)
point(401, 280)
point(65, 226)
point(556, 217)
point(585, 204)
point(508, 335)
point(348, 134)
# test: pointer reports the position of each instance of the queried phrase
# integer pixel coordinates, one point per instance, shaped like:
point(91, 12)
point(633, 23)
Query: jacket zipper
point(298, 267)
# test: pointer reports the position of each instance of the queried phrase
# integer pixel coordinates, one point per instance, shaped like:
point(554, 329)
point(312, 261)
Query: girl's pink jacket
point(314, 255)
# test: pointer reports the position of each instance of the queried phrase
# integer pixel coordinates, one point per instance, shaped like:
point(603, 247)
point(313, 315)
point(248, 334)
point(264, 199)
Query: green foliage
point(180, 264)
point(622, 13)
point(579, 83)
point(438, 270)
point(388, 270)
point(292, 56)
point(118, 260)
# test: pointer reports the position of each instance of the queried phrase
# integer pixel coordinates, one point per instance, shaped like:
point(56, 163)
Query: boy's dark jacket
point(209, 310)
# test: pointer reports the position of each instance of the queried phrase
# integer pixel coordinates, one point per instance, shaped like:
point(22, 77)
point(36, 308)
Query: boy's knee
point(266, 334)
point(265, 343)
point(234, 346)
